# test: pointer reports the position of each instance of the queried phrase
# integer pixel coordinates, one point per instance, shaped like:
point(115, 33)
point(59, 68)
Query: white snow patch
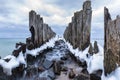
point(115, 75)
point(13, 63)
point(95, 63)
point(21, 59)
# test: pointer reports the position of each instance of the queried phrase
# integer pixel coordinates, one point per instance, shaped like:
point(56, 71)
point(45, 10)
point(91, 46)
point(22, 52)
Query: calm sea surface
point(7, 45)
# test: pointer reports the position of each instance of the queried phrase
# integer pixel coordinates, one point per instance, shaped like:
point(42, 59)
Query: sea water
point(7, 45)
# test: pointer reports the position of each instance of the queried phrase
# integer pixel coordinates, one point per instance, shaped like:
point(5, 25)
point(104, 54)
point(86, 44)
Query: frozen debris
point(12, 63)
point(94, 62)
point(50, 43)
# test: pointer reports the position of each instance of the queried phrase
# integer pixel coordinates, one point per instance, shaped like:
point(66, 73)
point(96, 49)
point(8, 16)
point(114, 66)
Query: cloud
point(56, 13)
point(12, 13)
point(98, 11)
point(98, 15)
point(13, 32)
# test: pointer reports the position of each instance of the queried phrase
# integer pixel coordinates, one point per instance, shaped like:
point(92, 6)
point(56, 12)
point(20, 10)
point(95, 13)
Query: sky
point(14, 15)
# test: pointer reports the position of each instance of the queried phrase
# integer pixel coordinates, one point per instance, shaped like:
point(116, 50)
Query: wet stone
point(47, 64)
point(99, 73)
point(16, 52)
point(64, 68)
point(83, 64)
point(30, 46)
point(71, 74)
point(3, 76)
point(51, 74)
point(40, 78)
point(7, 60)
point(64, 58)
point(21, 47)
point(1, 69)
point(18, 71)
point(30, 59)
point(82, 77)
point(57, 43)
point(94, 77)
point(57, 68)
point(61, 62)
point(84, 71)
point(41, 69)
point(31, 70)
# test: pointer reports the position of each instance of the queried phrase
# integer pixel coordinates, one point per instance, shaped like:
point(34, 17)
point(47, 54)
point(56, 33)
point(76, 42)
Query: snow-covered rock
point(12, 63)
point(50, 43)
point(95, 62)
